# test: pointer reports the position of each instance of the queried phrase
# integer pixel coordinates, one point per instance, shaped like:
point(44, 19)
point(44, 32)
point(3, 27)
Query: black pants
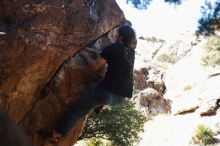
point(89, 101)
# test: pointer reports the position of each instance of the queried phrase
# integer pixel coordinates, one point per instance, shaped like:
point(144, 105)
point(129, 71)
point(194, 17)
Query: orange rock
point(39, 75)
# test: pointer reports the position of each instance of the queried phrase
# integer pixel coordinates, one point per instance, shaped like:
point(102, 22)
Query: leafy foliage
point(211, 54)
point(120, 124)
point(210, 21)
point(97, 142)
point(142, 4)
point(174, 1)
point(204, 135)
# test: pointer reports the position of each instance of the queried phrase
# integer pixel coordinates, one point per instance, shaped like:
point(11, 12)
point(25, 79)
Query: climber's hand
point(89, 54)
point(95, 62)
point(83, 53)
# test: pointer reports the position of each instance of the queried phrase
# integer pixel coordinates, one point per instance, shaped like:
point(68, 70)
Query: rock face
point(149, 77)
point(193, 87)
point(41, 73)
point(150, 88)
point(164, 50)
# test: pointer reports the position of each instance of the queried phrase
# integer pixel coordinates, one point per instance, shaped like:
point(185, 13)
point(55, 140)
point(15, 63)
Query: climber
point(116, 85)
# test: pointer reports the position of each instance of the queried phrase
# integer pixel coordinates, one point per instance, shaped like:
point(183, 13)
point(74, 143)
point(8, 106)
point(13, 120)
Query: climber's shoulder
point(112, 49)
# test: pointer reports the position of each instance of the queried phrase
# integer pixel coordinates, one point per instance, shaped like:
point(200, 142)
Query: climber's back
point(120, 58)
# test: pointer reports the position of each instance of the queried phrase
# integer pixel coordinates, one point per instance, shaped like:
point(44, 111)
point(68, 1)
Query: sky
point(162, 19)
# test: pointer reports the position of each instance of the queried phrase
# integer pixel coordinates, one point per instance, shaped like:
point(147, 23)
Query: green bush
point(168, 58)
point(204, 135)
point(97, 142)
point(211, 53)
point(120, 125)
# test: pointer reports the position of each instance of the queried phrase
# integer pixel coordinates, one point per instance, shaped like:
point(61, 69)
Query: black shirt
point(119, 76)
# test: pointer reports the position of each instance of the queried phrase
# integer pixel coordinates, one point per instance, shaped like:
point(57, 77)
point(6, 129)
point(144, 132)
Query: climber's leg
point(82, 107)
point(86, 103)
point(110, 99)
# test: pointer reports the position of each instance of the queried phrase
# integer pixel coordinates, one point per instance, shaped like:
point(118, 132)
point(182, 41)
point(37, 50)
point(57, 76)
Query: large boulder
point(149, 89)
point(152, 103)
point(41, 75)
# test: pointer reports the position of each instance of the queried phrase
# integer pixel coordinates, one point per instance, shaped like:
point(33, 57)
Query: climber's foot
point(55, 138)
point(50, 135)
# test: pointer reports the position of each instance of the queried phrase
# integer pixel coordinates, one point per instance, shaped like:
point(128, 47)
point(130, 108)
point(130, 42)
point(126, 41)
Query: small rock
point(186, 111)
point(185, 105)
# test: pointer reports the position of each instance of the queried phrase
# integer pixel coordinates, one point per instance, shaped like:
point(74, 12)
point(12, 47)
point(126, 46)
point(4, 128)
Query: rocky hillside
point(152, 49)
point(40, 71)
point(192, 81)
point(154, 56)
point(172, 73)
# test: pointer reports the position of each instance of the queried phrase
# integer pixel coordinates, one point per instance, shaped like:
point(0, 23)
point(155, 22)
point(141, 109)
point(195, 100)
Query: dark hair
point(127, 33)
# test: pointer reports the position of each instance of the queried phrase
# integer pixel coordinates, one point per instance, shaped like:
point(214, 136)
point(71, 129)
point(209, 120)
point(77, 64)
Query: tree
point(208, 23)
point(142, 4)
point(120, 124)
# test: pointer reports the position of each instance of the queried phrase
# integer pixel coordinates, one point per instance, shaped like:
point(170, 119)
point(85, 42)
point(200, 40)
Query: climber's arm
point(96, 63)
point(92, 58)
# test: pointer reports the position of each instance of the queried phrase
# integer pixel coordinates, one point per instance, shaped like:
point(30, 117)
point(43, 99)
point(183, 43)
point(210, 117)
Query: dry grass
point(168, 58)
point(188, 88)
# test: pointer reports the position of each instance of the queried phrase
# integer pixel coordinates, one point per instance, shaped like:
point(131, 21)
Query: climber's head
point(127, 37)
